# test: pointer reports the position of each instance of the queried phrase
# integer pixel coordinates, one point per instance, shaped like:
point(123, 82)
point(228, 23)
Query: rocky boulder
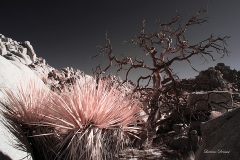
point(16, 51)
point(221, 138)
point(218, 78)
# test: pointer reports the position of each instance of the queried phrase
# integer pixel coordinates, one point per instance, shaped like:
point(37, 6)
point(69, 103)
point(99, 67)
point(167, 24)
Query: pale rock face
point(12, 72)
point(3, 50)
point(12, 50)
point(31, 51)
point(22, 50)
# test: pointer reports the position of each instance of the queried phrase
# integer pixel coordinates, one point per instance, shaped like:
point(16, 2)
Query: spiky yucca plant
point(94, 121)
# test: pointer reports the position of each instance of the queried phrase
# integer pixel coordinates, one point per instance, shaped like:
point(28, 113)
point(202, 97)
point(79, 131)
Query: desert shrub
point(91, 122)
point(95, 122)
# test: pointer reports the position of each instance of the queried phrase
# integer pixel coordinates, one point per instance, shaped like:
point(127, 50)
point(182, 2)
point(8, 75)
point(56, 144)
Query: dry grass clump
point(94, 121)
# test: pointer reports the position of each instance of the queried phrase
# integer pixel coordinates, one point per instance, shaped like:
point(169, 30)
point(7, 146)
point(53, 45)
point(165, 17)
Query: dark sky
point(67, 33)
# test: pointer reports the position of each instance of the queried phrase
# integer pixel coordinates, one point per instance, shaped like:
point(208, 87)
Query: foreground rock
point(221, 138)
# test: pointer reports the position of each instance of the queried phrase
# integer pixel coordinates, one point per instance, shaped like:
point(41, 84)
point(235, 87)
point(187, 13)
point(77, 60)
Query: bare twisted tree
point(168, 44)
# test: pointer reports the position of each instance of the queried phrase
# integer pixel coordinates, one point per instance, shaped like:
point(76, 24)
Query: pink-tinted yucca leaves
point(62, 115)
point(25, 104)
point(95, 104)
point(92, 121)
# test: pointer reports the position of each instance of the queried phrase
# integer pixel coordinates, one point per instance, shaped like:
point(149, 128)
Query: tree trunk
point(154, 112)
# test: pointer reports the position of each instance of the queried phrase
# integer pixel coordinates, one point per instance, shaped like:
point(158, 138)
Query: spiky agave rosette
point(94, 121)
